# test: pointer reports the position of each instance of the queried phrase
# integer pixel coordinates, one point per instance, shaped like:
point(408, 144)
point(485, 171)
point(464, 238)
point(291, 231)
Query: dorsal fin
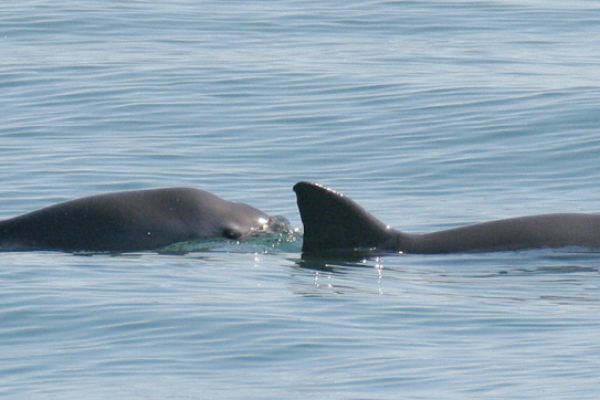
point(333, 222)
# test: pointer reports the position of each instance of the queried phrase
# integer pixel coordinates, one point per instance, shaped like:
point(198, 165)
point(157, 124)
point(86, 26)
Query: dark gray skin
point(334, 223)
point(132, 221)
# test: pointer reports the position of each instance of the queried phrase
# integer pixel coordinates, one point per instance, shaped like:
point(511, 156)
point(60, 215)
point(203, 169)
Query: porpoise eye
point(230, 233)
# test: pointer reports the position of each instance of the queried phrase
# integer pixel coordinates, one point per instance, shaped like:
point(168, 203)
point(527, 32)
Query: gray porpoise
point(334, 223)
point(131, 221)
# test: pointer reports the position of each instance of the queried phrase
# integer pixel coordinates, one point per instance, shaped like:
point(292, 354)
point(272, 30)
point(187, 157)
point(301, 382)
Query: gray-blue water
point(430, 114)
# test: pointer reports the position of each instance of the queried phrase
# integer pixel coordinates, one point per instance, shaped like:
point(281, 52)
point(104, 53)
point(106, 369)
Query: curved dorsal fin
point(334, 222)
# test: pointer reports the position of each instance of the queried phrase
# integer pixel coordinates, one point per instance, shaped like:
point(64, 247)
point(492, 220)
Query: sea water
point(430, 114)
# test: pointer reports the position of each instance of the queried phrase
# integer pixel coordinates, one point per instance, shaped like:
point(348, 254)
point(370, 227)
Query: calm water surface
point(429, 114)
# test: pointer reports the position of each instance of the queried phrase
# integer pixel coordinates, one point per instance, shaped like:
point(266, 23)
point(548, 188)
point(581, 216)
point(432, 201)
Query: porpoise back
point(334, 223)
